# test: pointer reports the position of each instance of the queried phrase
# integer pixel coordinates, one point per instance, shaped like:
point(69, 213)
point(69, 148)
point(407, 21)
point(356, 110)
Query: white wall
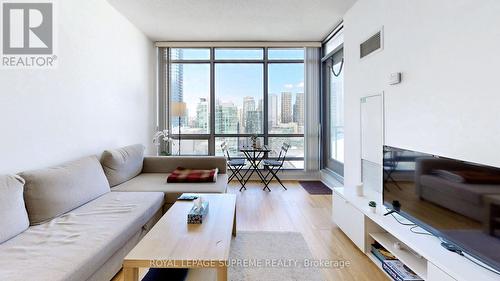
point(100, 96)
point(449, 101)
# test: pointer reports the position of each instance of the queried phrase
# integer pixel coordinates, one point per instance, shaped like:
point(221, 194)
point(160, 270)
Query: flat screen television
point(455, 200)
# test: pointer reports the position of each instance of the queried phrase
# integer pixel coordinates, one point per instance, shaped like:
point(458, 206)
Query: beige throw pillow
point(123, 164)
point(13, 215)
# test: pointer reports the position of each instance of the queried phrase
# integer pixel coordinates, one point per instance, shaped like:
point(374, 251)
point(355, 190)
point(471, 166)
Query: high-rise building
point(248, 105)
point(177, 78)
point(298, 109)
point(273, 110)
point(177, 85)
point(260, 105)
point(226, 118)
point(202, 117)
point(286, 107)
point(254, 122)
point(240, 117)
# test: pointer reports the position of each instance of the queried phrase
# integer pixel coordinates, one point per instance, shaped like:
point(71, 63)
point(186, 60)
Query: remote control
point(187, 197)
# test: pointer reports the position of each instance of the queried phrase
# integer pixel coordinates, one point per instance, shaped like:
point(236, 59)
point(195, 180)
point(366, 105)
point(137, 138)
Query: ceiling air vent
point(371, 45)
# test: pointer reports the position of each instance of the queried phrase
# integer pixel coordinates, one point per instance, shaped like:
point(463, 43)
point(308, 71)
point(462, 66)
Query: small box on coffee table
point(198, 213)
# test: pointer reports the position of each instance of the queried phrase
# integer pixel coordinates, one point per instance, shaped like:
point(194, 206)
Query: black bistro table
point(254, 155)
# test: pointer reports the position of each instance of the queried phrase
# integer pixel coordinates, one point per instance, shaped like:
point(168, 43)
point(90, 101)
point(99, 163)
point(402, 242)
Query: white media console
point(353, 217)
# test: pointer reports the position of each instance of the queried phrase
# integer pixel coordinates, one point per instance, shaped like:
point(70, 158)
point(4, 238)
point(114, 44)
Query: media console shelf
point(417, 264)
point(352, 216)
point(378, 264)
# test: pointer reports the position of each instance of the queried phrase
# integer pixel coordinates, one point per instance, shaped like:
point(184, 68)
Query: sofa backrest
point(122, 164)
point(167, 164)
point(13, 215)
point(51, 192)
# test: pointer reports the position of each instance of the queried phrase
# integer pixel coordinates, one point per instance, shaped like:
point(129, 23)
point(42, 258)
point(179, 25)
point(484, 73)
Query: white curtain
point(313, 109)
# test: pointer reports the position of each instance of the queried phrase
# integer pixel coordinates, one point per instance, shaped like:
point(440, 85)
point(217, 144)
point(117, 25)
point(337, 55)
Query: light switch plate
point(395, 78)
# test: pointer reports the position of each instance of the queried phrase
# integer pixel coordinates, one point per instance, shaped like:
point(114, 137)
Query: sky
point(235, 81)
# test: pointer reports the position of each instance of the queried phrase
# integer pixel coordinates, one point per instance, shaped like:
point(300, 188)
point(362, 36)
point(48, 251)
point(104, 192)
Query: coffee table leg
point(222, 273)
point(131, 273)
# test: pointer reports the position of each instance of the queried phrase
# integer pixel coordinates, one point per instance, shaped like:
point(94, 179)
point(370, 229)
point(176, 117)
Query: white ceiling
point(234, 20)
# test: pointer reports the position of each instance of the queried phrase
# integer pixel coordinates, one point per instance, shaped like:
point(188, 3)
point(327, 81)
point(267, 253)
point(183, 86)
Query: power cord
point(474, 261)
point(400, 222)
point(420, 232)
point(450, 247)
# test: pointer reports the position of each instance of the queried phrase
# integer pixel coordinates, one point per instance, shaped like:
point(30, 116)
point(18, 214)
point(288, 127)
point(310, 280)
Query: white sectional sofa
point(66, 223)
point(156, 170)
point(128, 171)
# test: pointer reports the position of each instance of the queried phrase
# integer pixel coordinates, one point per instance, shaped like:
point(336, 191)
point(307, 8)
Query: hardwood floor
point(296, 210)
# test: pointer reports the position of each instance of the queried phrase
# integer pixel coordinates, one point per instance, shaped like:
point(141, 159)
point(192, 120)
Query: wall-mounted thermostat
point(395, 78)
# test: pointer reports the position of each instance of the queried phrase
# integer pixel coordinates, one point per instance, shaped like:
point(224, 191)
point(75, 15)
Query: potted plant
point(158, 137)
point(373, 206)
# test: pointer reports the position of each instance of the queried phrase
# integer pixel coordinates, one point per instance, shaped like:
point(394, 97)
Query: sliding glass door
point(333, 142)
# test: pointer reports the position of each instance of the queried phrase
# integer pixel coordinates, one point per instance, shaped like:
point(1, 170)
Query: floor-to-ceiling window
point(188, 84)
point(333, 109)
point(216, 95)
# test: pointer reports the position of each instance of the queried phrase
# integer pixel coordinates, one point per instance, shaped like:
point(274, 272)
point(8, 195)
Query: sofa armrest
point(167, 164)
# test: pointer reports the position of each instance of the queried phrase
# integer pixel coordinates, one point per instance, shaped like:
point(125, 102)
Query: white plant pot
point(373, 209)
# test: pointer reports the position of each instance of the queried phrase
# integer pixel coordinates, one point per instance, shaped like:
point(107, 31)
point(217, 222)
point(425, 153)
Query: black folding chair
point(274, 166)
point(235, 165)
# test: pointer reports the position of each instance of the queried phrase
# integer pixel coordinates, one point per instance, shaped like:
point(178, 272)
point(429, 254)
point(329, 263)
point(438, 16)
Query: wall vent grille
point(371, 45)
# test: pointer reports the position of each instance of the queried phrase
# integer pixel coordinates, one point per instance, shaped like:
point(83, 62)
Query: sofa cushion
point(122, 164)
point(77, 244)
point(157, 182)
point(51, 192)
point(13, 215)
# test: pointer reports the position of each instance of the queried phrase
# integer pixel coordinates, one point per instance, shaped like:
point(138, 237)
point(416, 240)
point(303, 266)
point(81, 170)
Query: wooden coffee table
point(172, 243)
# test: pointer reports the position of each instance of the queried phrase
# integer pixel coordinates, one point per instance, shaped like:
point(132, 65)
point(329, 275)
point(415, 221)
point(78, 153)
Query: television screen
point(455, 200)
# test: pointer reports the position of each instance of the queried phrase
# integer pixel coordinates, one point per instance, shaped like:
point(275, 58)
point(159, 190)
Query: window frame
point(164, 101)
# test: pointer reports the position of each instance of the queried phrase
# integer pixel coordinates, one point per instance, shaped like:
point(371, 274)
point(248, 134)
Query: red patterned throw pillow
point(188, 175)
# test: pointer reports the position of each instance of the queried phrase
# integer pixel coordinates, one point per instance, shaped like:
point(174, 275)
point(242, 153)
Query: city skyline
point(249, 118)
point(190, 82)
